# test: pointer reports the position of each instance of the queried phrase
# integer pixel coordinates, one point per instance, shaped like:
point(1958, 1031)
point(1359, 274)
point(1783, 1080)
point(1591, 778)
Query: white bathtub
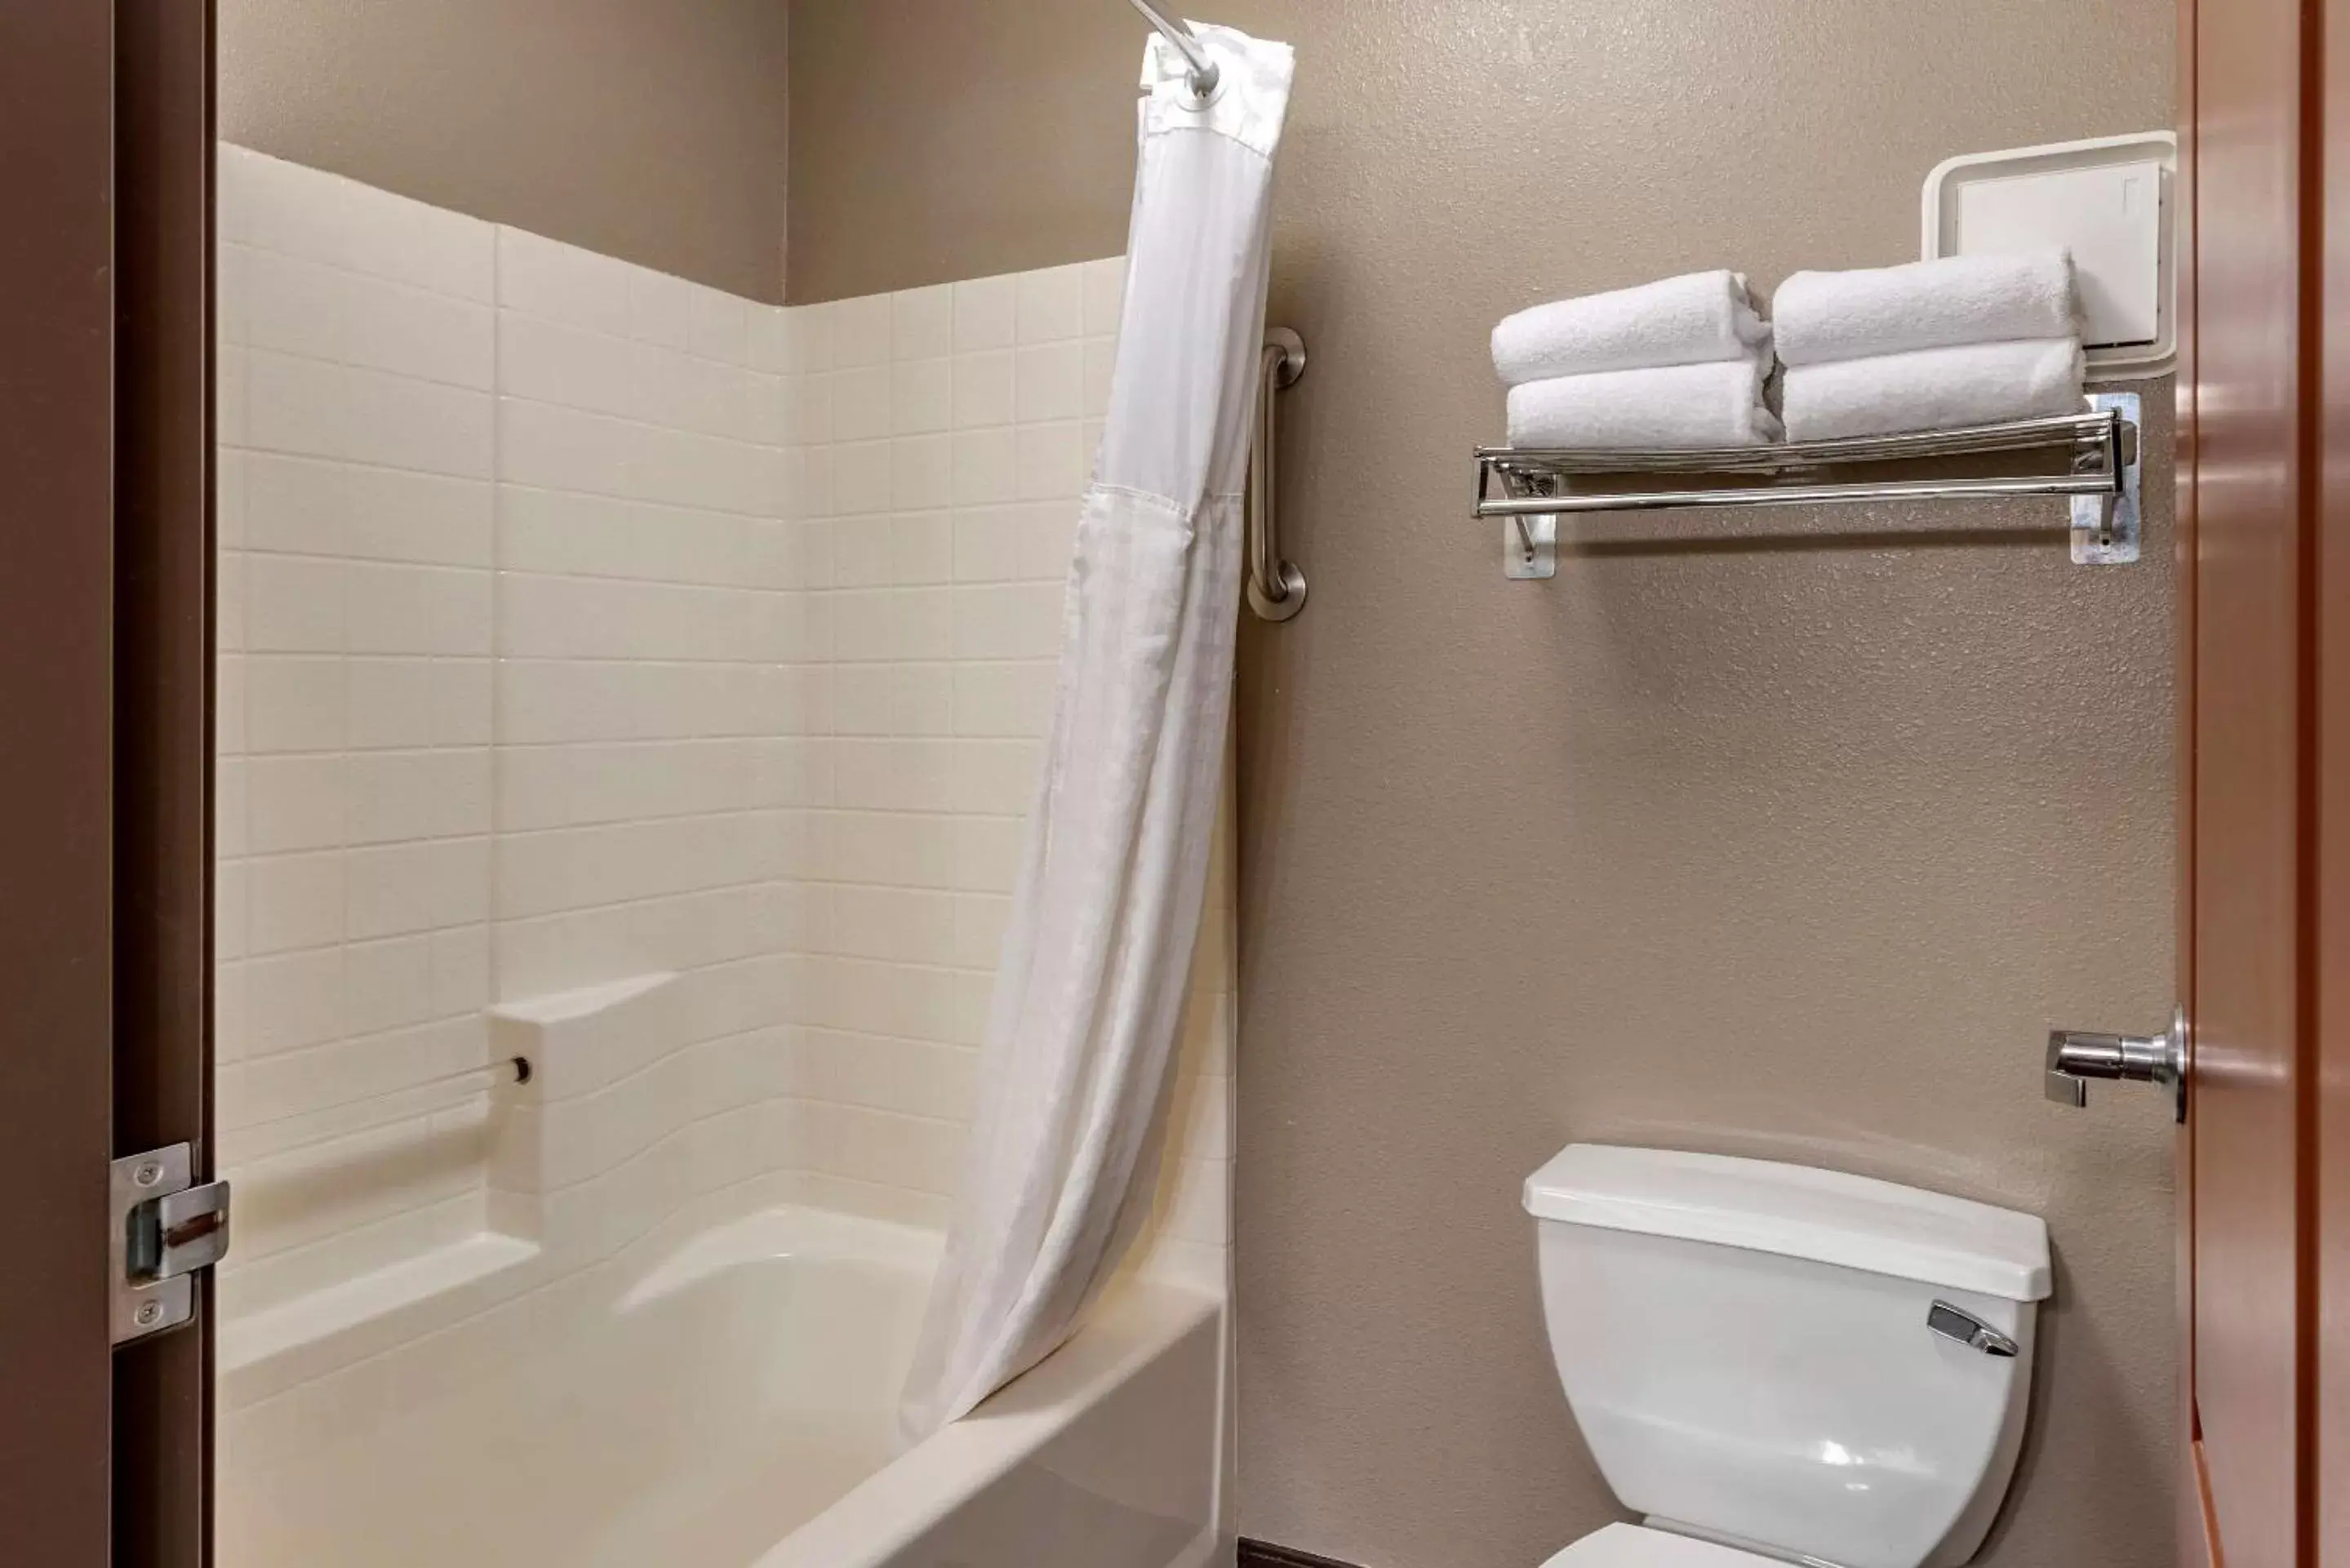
point(731, 1405)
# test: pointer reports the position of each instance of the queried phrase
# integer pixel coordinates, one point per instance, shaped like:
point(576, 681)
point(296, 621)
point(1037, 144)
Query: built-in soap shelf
point(574, 1114)
point(2092, 458)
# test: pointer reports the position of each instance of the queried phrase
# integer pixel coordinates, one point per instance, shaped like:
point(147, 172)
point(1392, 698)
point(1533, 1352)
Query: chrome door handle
point(2078, 1056)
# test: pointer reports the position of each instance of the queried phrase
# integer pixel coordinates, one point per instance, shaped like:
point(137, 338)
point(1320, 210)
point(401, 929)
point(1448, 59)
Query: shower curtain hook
point(1204, 76)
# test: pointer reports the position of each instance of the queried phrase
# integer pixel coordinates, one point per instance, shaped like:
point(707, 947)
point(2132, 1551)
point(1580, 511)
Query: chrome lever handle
point(2078, 1056)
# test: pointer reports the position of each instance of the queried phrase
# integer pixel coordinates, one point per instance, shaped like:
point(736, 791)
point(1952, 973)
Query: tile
point(1101, 355)
point(768, 340)
point(987, 466)
point(293, 604)
point(922, 322)
point(984, 388)
point(392, 608)
point(232, 910)
point(660, 306)
point(1015, 620)
point(985, 313)
point(1049, 378)
point(230, 627)
point(1051, 303)
point(1004, 700)
point(985, 853)
point(229, 497)
point(295, 1000)
point(1104, 287)
point(304, 307)
point(271, 205)
point(809, 331)
point(228, 705)
point(231, 815)
point(719, 326)
point(544, 277)
point(1047, 533)
point(921, 396)
point(232, 395)
point(294, 703)
point(315, 408)
point(722, 638)
point(921, 472)
point(987, 543)
point(995, 776)
point(861, 403)
point(465, 702)
point(387, 984)
point(294, 901)
point(861, 331)
point(1052, 460)
point(295, 802)
point(921, 543)
point(231, 263)
point(389, 702)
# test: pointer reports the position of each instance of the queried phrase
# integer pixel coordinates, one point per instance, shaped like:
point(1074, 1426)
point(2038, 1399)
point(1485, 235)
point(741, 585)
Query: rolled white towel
point(1694, 319)
point(1675, 406)
point(1933, 389)
point(1820, 317)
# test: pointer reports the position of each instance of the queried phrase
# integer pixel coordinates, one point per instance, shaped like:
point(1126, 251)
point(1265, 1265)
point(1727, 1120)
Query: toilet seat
point(1633, 1546)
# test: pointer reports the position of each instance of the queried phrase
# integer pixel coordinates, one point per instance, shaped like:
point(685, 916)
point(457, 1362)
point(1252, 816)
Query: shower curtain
point(1090, 984)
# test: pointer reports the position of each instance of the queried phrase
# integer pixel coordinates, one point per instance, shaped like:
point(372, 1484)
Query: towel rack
point(1277, 588)
point(1533, 488)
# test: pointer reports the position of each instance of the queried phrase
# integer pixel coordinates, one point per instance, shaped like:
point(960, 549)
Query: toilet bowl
point(1634, 1546)
point(1778, 1363)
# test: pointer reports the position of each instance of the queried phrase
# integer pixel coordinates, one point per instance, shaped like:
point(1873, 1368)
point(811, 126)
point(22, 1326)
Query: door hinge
point(166, 1226)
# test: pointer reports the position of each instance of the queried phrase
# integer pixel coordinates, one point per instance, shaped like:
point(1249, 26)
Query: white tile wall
point(356, 692)
point(580, 623)
point(954, 427)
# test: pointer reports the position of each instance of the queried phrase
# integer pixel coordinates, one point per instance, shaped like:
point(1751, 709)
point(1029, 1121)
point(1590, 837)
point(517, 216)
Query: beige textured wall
point(648, 130)
point(1727, 844)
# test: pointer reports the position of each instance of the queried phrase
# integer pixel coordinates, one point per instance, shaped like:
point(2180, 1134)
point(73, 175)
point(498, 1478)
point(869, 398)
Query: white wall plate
point(2110, 201)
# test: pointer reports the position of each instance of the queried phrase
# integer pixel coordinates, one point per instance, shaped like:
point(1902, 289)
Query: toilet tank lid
point(1798, 1211)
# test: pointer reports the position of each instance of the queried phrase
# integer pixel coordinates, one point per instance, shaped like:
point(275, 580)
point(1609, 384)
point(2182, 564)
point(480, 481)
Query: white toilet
point(1775, 1364)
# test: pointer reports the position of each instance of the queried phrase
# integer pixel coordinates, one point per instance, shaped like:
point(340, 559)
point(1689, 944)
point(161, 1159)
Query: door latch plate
point(166, 1226)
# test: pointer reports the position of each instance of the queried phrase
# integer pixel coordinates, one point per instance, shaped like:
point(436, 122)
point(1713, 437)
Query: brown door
point(56, 67)
point(105, 606)
point(2265, 797)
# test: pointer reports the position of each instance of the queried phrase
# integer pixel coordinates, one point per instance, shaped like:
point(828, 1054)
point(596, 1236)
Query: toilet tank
point(1746, 1346)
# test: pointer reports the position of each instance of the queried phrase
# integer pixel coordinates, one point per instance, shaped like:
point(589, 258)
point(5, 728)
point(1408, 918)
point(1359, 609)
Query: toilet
point(1777, 1363)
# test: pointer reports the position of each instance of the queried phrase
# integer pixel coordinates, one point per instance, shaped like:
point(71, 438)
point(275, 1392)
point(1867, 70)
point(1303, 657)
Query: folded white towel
point(1933, 389)
point(1820, 317)
point(1690, 321)
point(1675, 406)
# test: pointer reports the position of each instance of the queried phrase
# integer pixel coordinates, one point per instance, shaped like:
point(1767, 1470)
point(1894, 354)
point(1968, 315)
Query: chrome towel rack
point(1532, 489)
point(1277, 588)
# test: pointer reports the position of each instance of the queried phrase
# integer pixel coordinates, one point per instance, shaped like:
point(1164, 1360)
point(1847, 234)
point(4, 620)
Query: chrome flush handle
point(2078, 1056)
point(1953, 1323)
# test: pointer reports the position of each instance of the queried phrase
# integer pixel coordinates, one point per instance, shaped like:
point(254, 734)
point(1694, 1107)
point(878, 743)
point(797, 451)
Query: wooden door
point(55, 834)
point(2264, 804)
point(2330, 947)
point(104, 674)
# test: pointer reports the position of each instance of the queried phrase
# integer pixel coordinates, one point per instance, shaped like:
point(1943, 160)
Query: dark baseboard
point(1260, 1555)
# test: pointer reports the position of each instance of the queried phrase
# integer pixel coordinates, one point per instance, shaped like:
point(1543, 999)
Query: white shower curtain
point(1090, 985)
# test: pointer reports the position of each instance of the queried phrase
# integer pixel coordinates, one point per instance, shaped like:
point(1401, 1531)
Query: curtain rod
point(1204, 74)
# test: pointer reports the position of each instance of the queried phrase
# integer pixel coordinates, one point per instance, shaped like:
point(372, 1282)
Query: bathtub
point(728, 1404)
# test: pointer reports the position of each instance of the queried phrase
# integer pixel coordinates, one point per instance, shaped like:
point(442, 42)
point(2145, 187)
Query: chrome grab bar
point(490, 1075)
point(1277, 588)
